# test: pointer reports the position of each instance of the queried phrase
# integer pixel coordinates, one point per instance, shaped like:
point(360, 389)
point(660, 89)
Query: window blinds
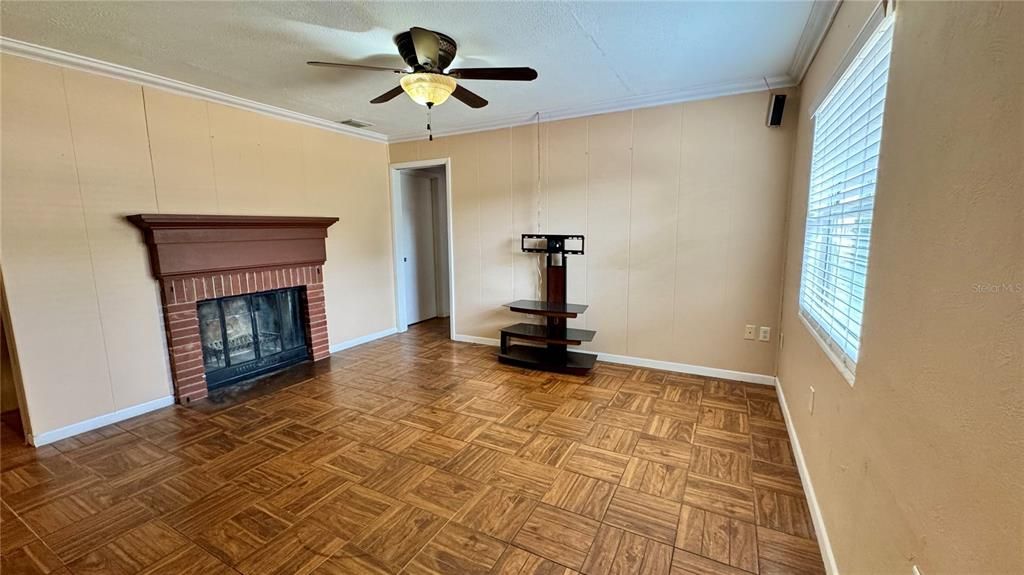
point(844, 162)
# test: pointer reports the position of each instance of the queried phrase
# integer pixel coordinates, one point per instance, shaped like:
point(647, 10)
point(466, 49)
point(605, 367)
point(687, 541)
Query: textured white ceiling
point(591, 56)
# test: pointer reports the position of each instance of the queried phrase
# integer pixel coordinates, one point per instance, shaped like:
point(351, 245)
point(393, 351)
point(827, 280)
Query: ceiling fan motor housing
point(448, 47)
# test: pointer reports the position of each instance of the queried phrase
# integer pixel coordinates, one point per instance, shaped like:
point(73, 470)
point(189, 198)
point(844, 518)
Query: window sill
point(850, 376)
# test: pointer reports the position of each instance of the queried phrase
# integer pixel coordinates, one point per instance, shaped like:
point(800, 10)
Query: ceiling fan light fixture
point(428, 89)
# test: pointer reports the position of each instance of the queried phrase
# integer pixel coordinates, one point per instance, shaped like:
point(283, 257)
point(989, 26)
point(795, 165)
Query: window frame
point(877, 24)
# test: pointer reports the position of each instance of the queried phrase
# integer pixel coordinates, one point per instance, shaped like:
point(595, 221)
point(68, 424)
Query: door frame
point(401, 320)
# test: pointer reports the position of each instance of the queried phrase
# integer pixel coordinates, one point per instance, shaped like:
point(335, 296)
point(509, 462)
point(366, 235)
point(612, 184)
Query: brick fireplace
point(201, 257)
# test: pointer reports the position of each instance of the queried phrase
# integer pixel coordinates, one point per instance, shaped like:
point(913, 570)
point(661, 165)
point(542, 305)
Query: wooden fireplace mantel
point(192, 244)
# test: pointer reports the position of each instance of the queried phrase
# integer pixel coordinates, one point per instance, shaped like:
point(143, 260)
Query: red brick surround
point(200, 257)
point(181, 319)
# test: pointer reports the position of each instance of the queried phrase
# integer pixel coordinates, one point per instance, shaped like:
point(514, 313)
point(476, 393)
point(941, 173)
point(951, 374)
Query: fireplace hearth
point(250, 335)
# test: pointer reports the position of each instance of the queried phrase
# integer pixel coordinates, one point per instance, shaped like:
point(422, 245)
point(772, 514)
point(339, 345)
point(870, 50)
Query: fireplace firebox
point(249, 335)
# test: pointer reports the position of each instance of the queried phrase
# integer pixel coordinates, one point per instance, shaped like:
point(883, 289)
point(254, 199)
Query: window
point(844, 164)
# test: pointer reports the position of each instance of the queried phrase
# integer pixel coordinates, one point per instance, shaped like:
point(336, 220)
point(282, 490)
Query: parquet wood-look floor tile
point(717, 537)
point(524, 476)
point(503, 438)
point(598, 463)
point(516, 561)
point(350, 560)
point(548, 449)
point(781, 553)
point(34, 557)
point(580, 494)
point(719, 496)
point(497, 512)
point(643, 514)
point(457, 549)
point(189, 560)
point(415, 454)
point(398, 534)
point(658, 479)
point(618, 551)
point(721, 464)
point(557, 535)
point(15, 532)
point(131, 552)
point(771, 450)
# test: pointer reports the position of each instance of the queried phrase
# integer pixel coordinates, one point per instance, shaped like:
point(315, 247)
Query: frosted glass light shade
point(426, 88)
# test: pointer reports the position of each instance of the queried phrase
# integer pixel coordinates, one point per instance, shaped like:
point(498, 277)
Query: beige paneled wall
point(921, 461)
point(82, 151)
point(179, 136)
point(107, 121)
point(48, 271)
point(683, 208)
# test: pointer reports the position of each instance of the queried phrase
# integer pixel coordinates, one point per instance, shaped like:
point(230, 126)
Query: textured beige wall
point(683, 208)
point(81, 151)
point(922, 460)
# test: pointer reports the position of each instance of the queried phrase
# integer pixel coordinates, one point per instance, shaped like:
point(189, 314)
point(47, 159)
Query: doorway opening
point(15, 427)
point(421, 224)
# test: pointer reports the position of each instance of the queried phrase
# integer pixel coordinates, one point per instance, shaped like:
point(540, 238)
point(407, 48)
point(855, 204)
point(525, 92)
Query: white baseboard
point(805, 478)
point(41, 439)
point(653, 364)
point(362, 339)
point(687, 368)
point(474, 339)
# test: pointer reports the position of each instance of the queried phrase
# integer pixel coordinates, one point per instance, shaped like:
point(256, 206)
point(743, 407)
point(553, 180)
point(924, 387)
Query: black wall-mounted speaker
point(776, 104)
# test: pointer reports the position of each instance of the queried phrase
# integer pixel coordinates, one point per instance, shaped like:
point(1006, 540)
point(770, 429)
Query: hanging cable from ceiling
point(539, 192)
point(539, 268)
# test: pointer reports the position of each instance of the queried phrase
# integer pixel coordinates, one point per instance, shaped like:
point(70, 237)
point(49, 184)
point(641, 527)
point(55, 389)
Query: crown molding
point(818, 22)
point(631, 103)
point(814, 31)
point(86, 64)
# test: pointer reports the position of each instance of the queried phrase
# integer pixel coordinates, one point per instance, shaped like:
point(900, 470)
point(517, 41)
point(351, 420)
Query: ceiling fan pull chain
point(430, 133)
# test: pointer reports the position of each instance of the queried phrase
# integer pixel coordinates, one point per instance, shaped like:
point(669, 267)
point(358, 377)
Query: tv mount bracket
point(551, 244)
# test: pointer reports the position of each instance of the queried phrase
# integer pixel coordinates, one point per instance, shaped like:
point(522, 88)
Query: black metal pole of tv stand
point(554, 334)
point(556, 293)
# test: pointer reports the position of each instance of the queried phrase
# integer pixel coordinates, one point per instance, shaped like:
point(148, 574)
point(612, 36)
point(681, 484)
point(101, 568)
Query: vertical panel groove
point(586, 289)
point(213, 157)
point(88, 241)
point(675, 234)
point(149, 148)
point(629, 217)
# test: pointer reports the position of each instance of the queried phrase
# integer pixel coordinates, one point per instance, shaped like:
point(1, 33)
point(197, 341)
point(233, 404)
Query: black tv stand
point(549, 341)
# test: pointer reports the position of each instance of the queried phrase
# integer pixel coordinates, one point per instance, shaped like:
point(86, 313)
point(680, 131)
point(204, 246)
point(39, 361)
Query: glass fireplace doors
point(245, 336)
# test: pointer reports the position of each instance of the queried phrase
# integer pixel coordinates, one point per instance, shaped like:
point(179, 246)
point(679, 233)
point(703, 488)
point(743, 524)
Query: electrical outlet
point(765, 334)
point(749, 332)
point(810, 402)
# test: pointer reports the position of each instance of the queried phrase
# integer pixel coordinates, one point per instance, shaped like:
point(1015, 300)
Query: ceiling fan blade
point(468, 98)
point(514, 74)
point(387, 96)
point(427, 45)
point(355, 67)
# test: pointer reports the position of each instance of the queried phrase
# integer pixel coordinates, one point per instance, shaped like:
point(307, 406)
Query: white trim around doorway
point(401, 323)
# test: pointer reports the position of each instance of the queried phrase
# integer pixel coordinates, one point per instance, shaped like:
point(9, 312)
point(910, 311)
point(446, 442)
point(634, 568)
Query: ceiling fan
point(428, 53)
